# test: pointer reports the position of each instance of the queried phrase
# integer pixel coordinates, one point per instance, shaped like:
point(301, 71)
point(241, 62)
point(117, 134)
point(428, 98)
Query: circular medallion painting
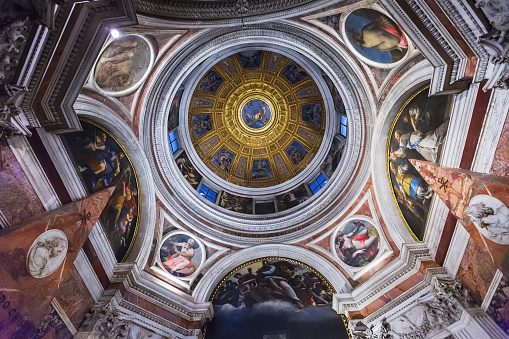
point(124, 64)
point(491, 217)
point(356, 242)
point(256, 114)
point(181, 254)
point(47, 253)
point(375, 36)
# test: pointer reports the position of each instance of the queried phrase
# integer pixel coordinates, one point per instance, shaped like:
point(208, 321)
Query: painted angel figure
point(425, 143)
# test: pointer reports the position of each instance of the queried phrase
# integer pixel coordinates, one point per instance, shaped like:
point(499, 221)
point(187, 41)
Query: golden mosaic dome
point(256, 119)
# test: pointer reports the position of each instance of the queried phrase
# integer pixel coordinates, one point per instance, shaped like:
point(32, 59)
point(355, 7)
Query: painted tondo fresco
point(274, 295)
point(375, 36)
point(102, 163)
point(357, 243)
point(123, 64)
point(180, 254)
point(418, 132)
point(256, 114)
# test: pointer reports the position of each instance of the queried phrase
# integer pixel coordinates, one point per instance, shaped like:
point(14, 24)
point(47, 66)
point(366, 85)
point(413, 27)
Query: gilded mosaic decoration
point(256, 118)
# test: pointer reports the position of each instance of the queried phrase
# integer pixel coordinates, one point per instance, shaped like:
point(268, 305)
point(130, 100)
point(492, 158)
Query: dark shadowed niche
point(274, 298)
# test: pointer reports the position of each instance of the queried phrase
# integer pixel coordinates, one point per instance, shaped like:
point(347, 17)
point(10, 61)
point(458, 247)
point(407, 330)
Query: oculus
point(256, 114)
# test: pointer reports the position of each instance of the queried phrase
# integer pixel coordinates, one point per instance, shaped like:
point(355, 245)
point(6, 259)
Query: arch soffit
point(102, 114)
point(221, 268)
point(344, 74)
point(415, 78)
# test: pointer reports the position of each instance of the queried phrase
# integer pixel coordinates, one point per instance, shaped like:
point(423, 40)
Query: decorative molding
point(496, 41)
point(168, 297)
point(468, 24)
point(87, 274)
point(4, 223)
point(456, 249)
point(226, 13)
point(491, 290)
point(51, 105)
point(63, 163)
point(435, 222)
point(34, 172)
point(104, 322)
point(498, 48)
point(425, 315)
point(438, 46)
point(63, 316)
point(399, 270)
point(12, 117)
point(496, 115)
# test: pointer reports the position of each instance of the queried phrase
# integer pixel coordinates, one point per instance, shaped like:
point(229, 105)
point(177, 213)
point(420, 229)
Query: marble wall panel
point(500, 164)
point(74, 298)
point(476, 270)
point(19, 201)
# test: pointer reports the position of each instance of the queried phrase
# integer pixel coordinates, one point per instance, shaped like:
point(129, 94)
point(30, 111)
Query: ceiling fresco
point(274, 295)
point(418, 132)
point(256, 118)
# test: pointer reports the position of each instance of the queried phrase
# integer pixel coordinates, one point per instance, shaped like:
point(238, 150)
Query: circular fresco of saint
point(123, 64)
point(180, 254)
point(256, 114)
point(357, 243)
point(375, 36)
